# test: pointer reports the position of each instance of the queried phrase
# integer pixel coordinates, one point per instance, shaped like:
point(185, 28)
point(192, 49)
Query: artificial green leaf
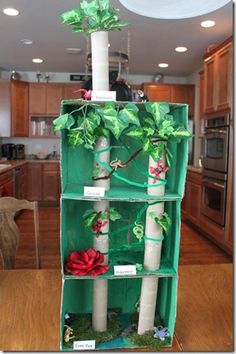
point(114, 215)
point(65, 121)
point(129, 115)
point(181, 133)
point(89, 217)
point(75, 137)
point(164, 221)
point(136, 133)
point(147, 145)
point(158, 111)
point(71, 17)
point(111, 121)
point(157, 151)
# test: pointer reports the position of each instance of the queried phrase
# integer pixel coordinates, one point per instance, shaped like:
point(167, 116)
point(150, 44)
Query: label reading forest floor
point(84, 345)
point(125, 270)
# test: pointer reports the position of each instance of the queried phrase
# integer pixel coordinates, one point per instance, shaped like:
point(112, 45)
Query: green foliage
point(82, 329)
point(93, 16)
point(91, 216)
point(147, 340)
point(164, 221)
point(152, 125)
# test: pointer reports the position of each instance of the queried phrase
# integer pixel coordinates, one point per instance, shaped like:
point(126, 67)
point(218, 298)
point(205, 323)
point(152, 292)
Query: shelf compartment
point(121, 193)
point(77, 299)
point(75, 236)
point(78, 162)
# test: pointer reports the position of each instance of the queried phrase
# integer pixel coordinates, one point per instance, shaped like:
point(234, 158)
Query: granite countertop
point(196, 169)
point(7, 165)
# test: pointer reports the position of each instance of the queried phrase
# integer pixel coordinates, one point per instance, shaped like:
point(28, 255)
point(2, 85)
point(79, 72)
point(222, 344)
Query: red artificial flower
point(87, 262)
point(156, 171)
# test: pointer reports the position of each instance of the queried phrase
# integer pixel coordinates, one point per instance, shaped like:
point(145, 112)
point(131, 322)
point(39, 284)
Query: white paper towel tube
point(100, 62)
point(147, 304)
point(102, 143)
point(100, 243)
point(99, 318)
point(152, 254)
point(159, 190)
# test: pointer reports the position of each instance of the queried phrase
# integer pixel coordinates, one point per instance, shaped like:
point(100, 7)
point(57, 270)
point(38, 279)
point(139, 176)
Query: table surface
point(30, 309)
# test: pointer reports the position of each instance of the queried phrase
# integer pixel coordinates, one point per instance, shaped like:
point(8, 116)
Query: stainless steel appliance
point(9, 151)
point(216, 144)
point(215, 168)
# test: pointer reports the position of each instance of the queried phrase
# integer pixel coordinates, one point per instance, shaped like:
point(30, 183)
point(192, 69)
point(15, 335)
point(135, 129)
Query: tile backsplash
point(35, 145)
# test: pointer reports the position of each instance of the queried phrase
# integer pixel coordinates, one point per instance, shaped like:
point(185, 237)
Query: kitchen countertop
point(11, 164)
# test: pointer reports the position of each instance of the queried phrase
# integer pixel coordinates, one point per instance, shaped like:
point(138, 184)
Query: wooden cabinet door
point(37, 98)
point(184, 94)
point(34, 190)
point(7, 188)
point(54, 96)
point(51, 182)
point(157, 92)
point(210, 83)
point(224, 81)
point(69, 91)
point(19, 108)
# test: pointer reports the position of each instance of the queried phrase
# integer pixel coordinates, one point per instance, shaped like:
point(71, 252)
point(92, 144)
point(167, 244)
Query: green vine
point(93, 16)
point(149, 124)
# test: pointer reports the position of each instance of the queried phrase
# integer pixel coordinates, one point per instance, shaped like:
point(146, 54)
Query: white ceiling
point(151, 40)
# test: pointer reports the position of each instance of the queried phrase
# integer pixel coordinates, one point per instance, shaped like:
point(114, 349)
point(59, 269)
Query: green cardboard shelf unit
point(77, 164)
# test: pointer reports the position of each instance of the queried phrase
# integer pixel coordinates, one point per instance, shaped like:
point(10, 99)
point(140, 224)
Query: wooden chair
point(9, 231)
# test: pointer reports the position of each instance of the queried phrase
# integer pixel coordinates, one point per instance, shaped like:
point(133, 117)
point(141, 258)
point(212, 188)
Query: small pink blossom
point(156, 171)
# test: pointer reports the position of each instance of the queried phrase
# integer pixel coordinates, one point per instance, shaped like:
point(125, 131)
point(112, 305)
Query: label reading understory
point(84, 345)
point(94, 191)
point(125, 270)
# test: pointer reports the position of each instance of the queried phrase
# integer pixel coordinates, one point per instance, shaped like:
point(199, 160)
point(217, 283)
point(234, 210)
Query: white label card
point(94, 191)
point(103, 96)
point(84, 345)
point(125, 270)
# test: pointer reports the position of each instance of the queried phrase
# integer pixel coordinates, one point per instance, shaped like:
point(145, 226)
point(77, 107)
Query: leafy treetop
point(93, 16)
point(150, 124)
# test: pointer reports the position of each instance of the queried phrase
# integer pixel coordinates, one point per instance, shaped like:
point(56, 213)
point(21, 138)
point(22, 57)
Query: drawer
point(51, 166)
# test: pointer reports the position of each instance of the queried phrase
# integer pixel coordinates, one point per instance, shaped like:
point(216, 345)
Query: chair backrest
point(9, 232)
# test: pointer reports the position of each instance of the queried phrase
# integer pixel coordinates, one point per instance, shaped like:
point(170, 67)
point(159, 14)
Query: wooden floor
point(204, 270)
point(194, 248)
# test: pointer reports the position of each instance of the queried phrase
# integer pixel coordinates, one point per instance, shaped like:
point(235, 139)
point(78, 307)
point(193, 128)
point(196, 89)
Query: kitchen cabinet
point(19, 108)
point(44, 98)
point(191, 203)
point(45, 104)
point(21, 178)
point(176, 93)
point(43, 181)
point(7, 188)
point(218, 79)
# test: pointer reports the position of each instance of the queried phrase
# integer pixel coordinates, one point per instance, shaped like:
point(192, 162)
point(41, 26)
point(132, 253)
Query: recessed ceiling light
point(10, 11)
point(181, 49)
point(26, 41)
point(37, 60)
point(163, 65)
point(73, 50)
point(208, 23)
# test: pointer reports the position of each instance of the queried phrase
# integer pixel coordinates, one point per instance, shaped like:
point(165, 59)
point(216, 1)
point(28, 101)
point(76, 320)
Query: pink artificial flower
point(156, 171)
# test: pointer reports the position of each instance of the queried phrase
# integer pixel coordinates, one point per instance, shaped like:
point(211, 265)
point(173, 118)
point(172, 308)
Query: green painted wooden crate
point(76, 171)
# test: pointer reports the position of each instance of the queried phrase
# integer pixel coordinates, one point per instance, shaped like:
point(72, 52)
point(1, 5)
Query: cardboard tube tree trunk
point(152, 256)
point(100, 77)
